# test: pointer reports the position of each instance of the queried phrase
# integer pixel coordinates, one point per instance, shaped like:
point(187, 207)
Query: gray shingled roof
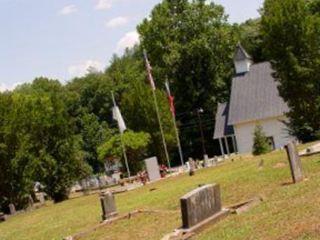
point(221, 128)
point(254, 96)
point(241, 53)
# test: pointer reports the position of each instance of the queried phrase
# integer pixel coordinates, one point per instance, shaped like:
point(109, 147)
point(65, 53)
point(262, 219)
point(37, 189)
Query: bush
point(260, 142)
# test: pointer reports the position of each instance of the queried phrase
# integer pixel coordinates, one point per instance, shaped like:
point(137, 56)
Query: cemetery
point(146, 214)
point(167, 120)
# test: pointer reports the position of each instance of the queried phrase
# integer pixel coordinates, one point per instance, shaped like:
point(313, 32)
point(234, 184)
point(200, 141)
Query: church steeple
point(242, 60)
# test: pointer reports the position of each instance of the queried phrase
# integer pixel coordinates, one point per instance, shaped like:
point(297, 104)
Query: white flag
point(118, 117)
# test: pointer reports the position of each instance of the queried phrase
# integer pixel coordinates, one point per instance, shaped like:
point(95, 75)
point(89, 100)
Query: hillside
point(288, 212)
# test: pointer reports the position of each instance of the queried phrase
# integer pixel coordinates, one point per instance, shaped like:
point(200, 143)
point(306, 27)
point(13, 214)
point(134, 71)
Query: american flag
point(149, 70)
point(170, 98)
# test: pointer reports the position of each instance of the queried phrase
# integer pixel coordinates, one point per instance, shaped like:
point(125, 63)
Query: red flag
point(171, 99)
point(149, 71)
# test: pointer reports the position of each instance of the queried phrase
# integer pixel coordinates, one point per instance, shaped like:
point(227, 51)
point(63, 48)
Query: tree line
point(56, 134)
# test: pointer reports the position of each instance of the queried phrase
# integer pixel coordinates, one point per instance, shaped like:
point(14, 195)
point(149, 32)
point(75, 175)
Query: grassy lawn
point(288, 212)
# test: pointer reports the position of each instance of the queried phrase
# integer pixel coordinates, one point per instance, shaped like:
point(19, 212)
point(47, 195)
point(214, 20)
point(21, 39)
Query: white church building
point(254, 101)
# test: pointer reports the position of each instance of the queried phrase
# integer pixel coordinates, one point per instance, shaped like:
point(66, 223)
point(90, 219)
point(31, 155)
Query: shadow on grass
point(287, 184)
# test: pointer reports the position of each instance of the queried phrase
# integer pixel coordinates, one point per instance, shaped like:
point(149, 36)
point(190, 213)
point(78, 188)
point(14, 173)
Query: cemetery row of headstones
point(202, 205)
point(37, 199)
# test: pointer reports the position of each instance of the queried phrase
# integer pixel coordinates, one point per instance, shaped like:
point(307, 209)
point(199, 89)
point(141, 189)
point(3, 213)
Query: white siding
point(273, 127)
point(243, 66)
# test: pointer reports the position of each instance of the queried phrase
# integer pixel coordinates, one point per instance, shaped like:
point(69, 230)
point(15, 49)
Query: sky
point(60, 39)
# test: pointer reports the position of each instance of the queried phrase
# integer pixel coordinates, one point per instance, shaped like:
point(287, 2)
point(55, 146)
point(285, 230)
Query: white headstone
point(153, 168)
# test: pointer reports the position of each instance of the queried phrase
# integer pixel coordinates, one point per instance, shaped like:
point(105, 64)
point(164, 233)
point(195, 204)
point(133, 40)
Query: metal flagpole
point(157, 107)
point(175, 127)
point(161, 128)
point(121, 140)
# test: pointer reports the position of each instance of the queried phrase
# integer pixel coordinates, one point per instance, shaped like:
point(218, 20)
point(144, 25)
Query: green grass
point(289, 211)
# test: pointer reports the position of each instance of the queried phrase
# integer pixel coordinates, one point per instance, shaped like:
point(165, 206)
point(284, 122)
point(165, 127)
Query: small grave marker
point(41, 198)
point(108, 205)
point(30, 202)
point(295, 163)
point(12, 209)
point(192, 165)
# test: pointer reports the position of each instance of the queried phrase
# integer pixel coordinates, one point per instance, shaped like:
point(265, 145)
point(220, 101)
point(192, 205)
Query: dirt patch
point(280, 165)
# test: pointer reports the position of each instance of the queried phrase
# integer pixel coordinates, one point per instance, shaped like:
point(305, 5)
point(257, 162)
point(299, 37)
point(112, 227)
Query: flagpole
point(175, 127)
point(161, 128)
point(121, 140)
point(157, 108)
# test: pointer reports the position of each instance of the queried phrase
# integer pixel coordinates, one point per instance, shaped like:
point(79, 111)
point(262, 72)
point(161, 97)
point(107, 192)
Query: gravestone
point(30, 202)
point(12, 209)
point(188, 166)
point(116, 176)
point(295, 163)
point(200, 204)
point(153, 168)
point(85, 187)
point(108, 205)
point(192, 165)
point(205, 160)
point(41, 198)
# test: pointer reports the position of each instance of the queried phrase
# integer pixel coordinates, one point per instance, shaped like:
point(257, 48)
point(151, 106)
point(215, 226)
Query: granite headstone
point(153, 168)
point(108, 205)
point(200, 204)
point(12, 209)
point(295, 163)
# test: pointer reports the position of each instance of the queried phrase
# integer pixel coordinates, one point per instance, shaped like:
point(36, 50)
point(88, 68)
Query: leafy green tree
point(136, 144)
point(260, 142)
point(38, 143)
point(192, 44)
point(314, 6)
point(136, 101)
point(94, 95)
point(139, 110)
point(251, 39)
point(291, 31)
point(93, 134)
point(90, 104)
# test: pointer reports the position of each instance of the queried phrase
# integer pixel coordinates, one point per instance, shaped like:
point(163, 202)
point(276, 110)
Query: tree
point(137, 104)
point(90, 105)
point(135, 143)
point(291, 34)
point(251, 39)
point(260, 142)
point(93, 134)
point(38, 143)
point(191, 44)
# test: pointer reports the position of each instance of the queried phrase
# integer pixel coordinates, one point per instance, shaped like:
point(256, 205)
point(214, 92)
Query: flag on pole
point(170, 98)
point(149, 70)
point(118, 117)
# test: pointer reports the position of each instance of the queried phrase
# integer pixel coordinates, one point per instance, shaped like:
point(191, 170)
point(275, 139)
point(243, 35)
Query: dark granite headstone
point(153, 168)
point(12, 209)
point(108, 205)
point(295, 163)
point(200, 204)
